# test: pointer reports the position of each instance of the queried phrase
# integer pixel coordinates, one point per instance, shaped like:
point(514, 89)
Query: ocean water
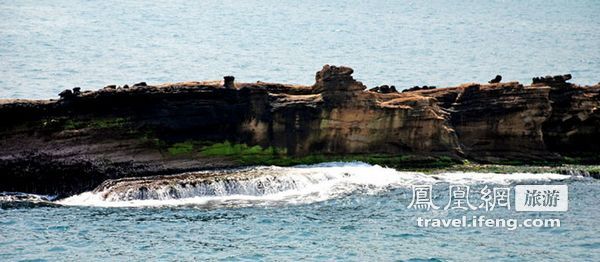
point(49, 46)
point(330, 211)
point(334, 211)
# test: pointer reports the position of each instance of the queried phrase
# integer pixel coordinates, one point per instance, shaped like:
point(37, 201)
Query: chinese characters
point(459, 198)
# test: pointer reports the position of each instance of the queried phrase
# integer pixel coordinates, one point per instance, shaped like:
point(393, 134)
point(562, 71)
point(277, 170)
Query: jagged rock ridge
point(89, 136)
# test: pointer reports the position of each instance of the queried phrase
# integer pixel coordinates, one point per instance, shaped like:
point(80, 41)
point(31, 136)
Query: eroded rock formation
point(74, 143)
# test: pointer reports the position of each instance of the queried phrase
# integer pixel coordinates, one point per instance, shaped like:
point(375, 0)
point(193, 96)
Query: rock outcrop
point(73, 144)
point(496, 79)
point(417, 88)
point(551, 80)
point(501, 121)
point(384, 89)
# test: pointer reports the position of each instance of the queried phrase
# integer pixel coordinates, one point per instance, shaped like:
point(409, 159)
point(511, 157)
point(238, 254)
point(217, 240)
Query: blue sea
point(330, 211)
point(49, 46)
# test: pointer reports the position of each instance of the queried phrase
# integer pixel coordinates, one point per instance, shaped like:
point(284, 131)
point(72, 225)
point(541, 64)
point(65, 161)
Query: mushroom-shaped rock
point(384, 89)
point(67, 93)
point(337, 85)
point(417, 88)
point(76, 90)
point(496, 80)
point(336, 78)
point(374, 89)
point(559, 80)
point(229, 82)
point(567, 77)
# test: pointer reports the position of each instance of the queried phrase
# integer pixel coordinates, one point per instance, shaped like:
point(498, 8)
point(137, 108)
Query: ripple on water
point(356, 225)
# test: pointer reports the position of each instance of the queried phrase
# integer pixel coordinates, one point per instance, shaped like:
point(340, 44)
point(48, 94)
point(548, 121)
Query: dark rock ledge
point(72, 144)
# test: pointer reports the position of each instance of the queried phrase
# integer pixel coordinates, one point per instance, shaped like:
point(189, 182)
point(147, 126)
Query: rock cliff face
point(498, 121)
point(574, 125)
point(341, 118)
point(73, 144)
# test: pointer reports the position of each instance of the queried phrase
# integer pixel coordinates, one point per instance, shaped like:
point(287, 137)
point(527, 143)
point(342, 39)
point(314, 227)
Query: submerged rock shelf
point(73, 144)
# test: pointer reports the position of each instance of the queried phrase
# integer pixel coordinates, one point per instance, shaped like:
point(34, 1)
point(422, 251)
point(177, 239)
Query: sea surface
point(330, 211)
point(49, 46)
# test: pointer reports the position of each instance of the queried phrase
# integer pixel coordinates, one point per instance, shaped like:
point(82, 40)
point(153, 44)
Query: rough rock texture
point(73, 144)
point(501, 121)
point(574, 126)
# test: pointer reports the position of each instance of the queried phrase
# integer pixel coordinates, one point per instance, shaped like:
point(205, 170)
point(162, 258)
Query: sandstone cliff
point(75, 143)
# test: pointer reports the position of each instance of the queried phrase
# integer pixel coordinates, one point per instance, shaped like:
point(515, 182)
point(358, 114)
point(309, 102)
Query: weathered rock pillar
point(229, 82)
point(337, 85)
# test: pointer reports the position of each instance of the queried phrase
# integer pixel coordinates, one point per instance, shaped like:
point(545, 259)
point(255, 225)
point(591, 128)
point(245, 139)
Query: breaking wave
point(272, 185)
point(19, 200)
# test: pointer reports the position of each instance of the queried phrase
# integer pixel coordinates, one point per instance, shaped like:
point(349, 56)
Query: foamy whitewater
point(330, 211)
point(272, 185)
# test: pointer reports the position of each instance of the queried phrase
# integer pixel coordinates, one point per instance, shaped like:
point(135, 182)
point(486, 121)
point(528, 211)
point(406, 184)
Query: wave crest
point(268, 185)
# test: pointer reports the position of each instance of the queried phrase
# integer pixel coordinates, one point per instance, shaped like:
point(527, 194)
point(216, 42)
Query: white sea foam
point(277, 185)
point(496, 178)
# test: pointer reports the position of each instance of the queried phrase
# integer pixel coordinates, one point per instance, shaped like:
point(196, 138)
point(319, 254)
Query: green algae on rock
point(89, 136)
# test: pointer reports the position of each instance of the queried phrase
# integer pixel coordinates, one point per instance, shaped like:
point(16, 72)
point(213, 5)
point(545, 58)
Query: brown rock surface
point(73, 144)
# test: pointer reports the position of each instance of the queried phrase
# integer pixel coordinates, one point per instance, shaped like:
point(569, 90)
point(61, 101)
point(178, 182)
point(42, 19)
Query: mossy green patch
point(150, 139)
point(229, 149)
point(109, 123)
point(101, 123)
point(245, 154)
point(72, 124)
point(400, 162)
point(257, 155)
point(181, 148)
point(508, 169)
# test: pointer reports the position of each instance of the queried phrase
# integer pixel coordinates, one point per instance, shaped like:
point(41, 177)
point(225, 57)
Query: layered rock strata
point(74, 143)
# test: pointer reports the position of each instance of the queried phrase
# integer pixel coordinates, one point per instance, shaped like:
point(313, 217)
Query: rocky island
point(73, 144)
